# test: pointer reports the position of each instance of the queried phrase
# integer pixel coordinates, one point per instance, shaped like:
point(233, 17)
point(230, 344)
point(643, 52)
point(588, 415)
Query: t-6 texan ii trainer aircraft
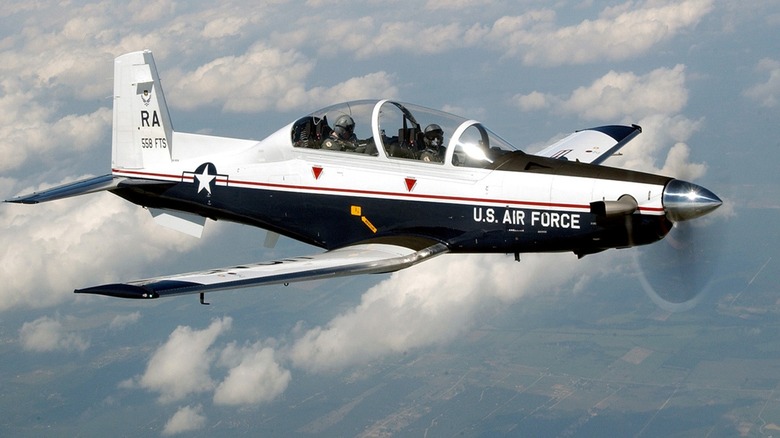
point(380, 185)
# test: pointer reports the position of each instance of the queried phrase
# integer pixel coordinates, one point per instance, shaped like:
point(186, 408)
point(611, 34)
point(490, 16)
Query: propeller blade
point(677, 271)
point(271, 239)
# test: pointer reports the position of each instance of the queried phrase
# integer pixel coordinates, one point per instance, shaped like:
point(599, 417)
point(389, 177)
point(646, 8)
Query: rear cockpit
point(391, 130)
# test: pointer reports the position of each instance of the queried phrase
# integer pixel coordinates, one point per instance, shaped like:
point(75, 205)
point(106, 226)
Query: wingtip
point(21, 200)
point(119, 291)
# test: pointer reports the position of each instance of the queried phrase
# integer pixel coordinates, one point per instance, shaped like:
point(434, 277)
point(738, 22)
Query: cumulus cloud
point(50, 334)
point(653, 100)
point(181, 366)
point(221, 26)
point(33, 129)
point(766, 94)
point(618, 95)
point(428, 304)
point(662, 147)
point(268, 78)
point(435, 5)
point(617, 33)
point(254, 377)
point(620, 32)
point(250, 82)
point(363, 87)
point(121, 321)
point(186, 419)
point(677, 164)
point(67, 57)
point(52, 248)
point(532, 101)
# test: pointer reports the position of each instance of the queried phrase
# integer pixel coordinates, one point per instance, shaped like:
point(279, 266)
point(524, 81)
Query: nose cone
point(683, 200)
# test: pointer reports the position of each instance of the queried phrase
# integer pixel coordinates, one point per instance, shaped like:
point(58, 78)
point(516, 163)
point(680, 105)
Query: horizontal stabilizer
point(592, 145)
point(96, 184)
point(83, 187)
point(369, 258)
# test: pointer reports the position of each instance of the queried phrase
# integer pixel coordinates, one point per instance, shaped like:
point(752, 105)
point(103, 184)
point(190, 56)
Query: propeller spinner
point(676, 271)
point(684, 201)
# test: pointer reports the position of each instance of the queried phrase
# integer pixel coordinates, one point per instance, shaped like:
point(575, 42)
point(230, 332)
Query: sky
point(701, 77)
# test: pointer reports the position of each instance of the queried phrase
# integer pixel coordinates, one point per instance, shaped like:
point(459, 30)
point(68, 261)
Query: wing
point(592, 145)
point(364, 258)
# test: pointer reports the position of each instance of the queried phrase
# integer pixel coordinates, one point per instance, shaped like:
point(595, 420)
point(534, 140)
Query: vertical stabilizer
point(142, 131)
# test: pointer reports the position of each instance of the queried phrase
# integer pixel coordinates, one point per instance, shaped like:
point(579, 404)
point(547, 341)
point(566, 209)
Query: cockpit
point(390, 130)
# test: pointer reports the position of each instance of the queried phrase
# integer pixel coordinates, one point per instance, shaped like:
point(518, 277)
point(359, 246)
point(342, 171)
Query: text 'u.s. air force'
point(533, 218)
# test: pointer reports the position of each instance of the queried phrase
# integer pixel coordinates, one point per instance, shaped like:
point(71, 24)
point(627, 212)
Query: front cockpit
point(390, 130)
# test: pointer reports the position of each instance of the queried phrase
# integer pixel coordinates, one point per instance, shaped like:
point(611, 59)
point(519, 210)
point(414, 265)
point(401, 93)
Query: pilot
point(434, 143)
point(342, 138)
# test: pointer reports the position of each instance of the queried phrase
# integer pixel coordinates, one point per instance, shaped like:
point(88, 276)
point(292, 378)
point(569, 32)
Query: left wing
point(366, 258)
point(592, 145)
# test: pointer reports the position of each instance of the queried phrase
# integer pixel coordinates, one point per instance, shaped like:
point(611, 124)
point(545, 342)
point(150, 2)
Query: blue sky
point(701, 77)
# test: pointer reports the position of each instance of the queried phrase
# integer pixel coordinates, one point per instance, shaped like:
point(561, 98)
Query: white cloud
point(221, 27)
point(414, 37)
point(55, 247)
point(186, 419)
point(662, 147)
point(677, 164)
point(457, 5)
point(532, 101)
point(121, 321)
point(181, 366)
point(625, 94)
point(618, 95)
point(33, 130)
point(335, 36)
point(429, 304)
point(653, 101)
point(254, 376)
point(363, 87)
point(766, 94)
point(267, 78)
point(620, 32)
point(250, 82)
point(49, 334)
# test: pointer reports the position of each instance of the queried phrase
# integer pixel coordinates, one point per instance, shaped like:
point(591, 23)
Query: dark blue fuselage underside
point(337, 220)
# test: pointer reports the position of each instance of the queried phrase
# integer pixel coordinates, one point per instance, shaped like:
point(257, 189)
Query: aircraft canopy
point(393, 130)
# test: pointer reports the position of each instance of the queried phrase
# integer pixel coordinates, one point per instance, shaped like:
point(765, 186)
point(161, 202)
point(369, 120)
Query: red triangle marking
point(410, 183)
point(317, 171)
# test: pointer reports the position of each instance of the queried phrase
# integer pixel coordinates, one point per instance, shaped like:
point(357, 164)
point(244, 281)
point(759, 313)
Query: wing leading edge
point(368, 258)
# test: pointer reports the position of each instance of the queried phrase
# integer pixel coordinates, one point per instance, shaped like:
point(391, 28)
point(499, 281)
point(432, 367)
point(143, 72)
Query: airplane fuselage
point(521, 203)
point(381, 185)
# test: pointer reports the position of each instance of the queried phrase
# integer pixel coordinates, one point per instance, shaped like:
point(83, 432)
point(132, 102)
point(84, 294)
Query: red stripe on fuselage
point(373, 193)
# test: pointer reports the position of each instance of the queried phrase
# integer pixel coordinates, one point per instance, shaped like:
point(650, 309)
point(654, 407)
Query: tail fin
point(142, 134)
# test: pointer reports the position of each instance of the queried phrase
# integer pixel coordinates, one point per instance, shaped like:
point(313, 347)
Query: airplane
point(379, 185)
